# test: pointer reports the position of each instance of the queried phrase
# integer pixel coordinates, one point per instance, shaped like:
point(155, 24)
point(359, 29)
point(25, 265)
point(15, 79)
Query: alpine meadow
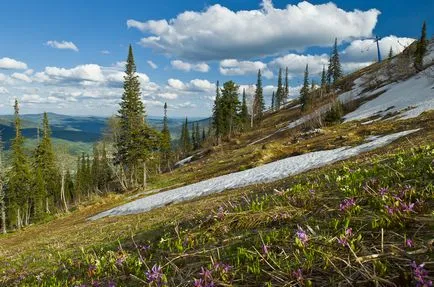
point(217, 143)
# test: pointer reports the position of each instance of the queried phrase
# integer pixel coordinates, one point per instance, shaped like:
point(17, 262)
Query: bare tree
point(2, 191)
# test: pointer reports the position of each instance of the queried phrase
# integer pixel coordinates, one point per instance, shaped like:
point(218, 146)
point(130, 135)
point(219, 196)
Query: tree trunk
point(47, 207)
point(18, 219)
point(144, 174)
point(62, 192)
point(3, 216)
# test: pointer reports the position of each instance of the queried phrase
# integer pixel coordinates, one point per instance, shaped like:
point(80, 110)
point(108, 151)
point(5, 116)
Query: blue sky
point(66, 56)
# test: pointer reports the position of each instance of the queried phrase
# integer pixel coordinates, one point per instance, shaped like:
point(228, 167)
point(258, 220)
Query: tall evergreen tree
point(336, 68)
point(421, 48)
point(186, 141)
point(136, 139)
point(258, 102)
point(96, 169)
point(286, 85)
point(230, 107)
point(390, 53)
point(203, 134)
point(273, 101)
point(106, 171)
point(20, 179)
point(323, 78)
point(197, 135)
point(2, 191)
point(45, 162)
point(304, 92)
point(217, 117)
point(280, 91)
point(244, 114)
point(165, 147)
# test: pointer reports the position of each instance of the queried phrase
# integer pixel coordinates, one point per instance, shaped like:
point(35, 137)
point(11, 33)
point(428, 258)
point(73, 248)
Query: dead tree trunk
point(144, 174)
point(62, 192)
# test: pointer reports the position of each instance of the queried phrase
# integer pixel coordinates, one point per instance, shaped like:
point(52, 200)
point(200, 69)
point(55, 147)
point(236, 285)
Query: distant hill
point(80, 130)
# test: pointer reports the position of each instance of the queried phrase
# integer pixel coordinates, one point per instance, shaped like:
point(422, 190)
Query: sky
point(68, 57)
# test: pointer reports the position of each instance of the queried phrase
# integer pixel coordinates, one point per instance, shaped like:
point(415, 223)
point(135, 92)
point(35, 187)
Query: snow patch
point(261, 174)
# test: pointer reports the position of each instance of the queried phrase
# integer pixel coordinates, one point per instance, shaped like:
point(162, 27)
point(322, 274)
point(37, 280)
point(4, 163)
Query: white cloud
point(176, 84)
point(168, 96)
point(187, 67)
point(21, 77)
point(233, 67)
point(152, 64)
point(3, 90)
point(29, 72)
point(89, 72)
point(366, 50)
point(296, 63)
point(12, 64)
point(105, 52)
point(219, 33)
point(37, 99)
point(64, 45)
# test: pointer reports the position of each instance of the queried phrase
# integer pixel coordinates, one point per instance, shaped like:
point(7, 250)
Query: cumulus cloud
point(219, 33)
point(196, 85)
point(233, 67)
point(37, 99)
point(366, 50)
point(296, 63)
point(89, 72)
point(21, 77)
point(12, 64)
point(152, 64)
point(168, 96)
point(3, 90)
point(176, 84)
point(187, 67)
point(63, 45)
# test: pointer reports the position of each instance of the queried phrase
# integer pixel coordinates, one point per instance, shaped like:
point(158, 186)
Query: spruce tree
point(244, 114)
point(136, 140)
point(217, 117)
point(304, 92)
point(280, 91)
point(336, 64)
point(259, 105)
point(186, 141)
point(286, 85)
point(273, 101)
point(2, 191)
point(165, 147)
point(390, 53)
point(45, 162)
point(323, 78)
point(230, 107)
point(20, 179)
point(197, 135)
point(421, 48)
point(106, 171)
point(203, 134)
point(96, 170)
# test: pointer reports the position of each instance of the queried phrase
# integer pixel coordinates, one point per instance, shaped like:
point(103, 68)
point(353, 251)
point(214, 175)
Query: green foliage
point(280, 93)
point(305, 98)
point(291, 231)
point(244, 114)
point(421, 48)
point(335, 114)
point(334, 72)
point(258, 102)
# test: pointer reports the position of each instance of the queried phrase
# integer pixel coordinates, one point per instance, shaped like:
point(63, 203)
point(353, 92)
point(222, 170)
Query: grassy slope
point(236, 238)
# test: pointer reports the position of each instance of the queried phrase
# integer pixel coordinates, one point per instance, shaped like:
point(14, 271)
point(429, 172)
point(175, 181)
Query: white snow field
point(411, 97)
point(261, 174)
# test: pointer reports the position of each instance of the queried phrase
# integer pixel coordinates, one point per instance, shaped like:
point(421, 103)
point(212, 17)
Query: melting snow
point(412, 97)
point(261, 174)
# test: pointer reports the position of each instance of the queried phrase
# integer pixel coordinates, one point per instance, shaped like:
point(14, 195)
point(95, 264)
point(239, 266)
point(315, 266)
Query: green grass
point(233, 228)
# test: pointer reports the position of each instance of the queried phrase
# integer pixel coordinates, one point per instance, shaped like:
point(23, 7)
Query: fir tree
point(96, 169)
point(421, 48)
point(165, 146)
point(273, 101)
point(244, 114)
point(197, 135)
point(258, 102)
point(185, 140)
point(217, 117)
point(323, 78)
point(45, 162)
point(390, 53)
point(2, 191)
point(203, 134)
point(336, 64)
point(230, 107)
point(280, 91)
point(20, 179)
point(286, 85)
point(136, 140)
point(106, 172)
point(304, 92)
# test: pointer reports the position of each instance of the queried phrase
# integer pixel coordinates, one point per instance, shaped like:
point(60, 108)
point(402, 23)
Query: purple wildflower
point(407, 207)
point(264, 249)
point(383, 191)
point(409, 243)
point(155, 275)
point(349, 232)
point(302, 235)
point(205, 273)
point(111, 284)
point(221, 213)
point(298, 275)
point(420, 275)
point(390, 210)
point(343, 241)
point(312, 191)
point(347, 203)
point(144, 248)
